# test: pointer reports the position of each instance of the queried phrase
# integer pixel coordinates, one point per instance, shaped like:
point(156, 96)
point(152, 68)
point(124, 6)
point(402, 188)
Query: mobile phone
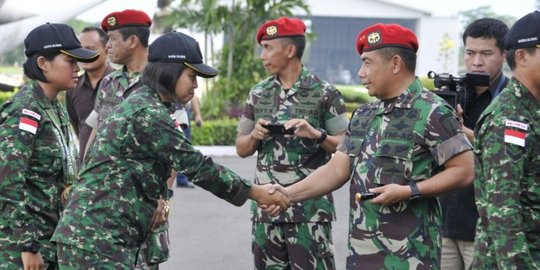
point(279, 129)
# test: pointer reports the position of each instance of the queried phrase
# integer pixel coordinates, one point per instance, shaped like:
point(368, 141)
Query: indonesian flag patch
point(28, 124)
point(515, 132)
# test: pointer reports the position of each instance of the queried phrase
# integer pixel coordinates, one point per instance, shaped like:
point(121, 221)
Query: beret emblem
point(271, 30)
point(111, 21)
point(374, 37)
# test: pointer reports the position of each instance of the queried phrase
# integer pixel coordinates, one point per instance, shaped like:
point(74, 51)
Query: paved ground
point(208, 233)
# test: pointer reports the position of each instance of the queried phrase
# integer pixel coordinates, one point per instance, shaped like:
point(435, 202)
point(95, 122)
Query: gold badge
point(374, 38)
point(111, 21)
point(271, 30)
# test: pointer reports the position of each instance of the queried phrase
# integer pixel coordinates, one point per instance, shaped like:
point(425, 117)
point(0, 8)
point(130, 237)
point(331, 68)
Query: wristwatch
point(323, 137)
point(415, 193)
point(31, 246)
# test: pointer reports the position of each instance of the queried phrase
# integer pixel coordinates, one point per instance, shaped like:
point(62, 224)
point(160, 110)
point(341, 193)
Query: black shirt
point(459, 207)
point(80, 103)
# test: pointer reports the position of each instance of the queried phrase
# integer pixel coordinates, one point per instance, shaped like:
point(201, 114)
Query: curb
point(217, 150)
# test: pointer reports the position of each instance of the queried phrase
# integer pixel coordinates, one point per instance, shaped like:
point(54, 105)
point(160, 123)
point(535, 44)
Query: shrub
point(351, 94)
point(4, 96)
point(215, 132)
point(427, 83)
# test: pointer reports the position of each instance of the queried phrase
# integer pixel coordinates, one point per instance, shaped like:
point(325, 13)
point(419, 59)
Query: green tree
point(468, 16)
point(238, 58)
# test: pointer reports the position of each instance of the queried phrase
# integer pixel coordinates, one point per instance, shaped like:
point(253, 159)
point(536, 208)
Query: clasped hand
point(270, 201)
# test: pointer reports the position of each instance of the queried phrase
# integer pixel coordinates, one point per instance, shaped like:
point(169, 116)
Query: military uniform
point(111, 206)
point(397, 141)
point(114, 88)
point(287, 160)
point(507, 188)
point(37, 161)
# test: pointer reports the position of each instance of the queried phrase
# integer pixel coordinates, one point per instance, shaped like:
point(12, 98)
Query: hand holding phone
point(279, 129)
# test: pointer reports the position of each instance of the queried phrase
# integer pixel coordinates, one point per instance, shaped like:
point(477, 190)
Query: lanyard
point(69, 163)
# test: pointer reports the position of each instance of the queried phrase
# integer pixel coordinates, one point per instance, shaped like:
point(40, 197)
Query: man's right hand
point(275, 201)
point(32, 261)
point(259, 132)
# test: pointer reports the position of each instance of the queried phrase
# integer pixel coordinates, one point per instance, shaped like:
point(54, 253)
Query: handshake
point(271, 198)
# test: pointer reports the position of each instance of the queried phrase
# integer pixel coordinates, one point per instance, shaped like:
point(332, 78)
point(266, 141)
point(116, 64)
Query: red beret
point(385, 35)
point(128, 17)
point(281, 27)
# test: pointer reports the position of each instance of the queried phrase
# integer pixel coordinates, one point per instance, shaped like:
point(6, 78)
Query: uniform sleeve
point(92, 119)
point(444, 137)
point(247, 121)
point(158, 134)
point(335, 117)
point(500, 168)
point(16, 144)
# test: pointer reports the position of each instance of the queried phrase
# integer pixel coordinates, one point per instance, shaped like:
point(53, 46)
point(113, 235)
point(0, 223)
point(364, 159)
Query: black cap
point(176, 47)
point(54, 37)
point(524, 33)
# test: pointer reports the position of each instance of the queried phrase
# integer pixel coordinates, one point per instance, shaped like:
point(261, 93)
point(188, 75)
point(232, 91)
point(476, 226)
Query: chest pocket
point(393, 160)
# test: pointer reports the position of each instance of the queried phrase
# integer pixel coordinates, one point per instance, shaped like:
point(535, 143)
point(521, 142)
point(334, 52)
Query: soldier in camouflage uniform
point(299, 238)
point(37, 151)
point(395, 148)
point(110, 212)
point(128, 32)
point(507, 148)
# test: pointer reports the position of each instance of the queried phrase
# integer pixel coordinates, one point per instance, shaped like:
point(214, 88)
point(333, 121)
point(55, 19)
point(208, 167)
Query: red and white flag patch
point(514, 137)
point(513, 134)
point(28, 124)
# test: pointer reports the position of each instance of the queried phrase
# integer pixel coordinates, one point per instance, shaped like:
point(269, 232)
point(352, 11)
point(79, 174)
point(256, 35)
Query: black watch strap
point(31, 246)
point(323, 137)
point(415, 192)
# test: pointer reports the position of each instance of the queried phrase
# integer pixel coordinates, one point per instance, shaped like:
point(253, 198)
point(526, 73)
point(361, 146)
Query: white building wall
point(361, 8)
point(433, 35)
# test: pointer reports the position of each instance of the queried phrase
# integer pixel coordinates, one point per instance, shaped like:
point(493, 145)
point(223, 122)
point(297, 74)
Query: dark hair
point(31, 68)
point(162, 77)
point(487, 28)
point(103, 38)
point(141, 32)
point(407, 55)
point(511, 58)
point(298, 42)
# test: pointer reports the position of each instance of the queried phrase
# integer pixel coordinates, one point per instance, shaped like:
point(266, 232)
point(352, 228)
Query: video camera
point(457, 89)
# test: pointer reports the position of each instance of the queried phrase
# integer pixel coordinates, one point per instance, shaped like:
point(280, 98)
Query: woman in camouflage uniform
point(111, 209)
point(37, 152)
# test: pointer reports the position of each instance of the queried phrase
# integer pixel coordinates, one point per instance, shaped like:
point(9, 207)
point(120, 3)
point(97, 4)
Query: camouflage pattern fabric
point(31, 174)
point(111, 205)
point(113, 89)
point(287, 160)
point(396, 141)
point(308, 245)
point(72, 258)
point(507, 188)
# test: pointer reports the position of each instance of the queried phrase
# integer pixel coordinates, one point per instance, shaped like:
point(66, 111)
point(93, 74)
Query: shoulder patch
point(516, 124)
point(514, 137)
point(28, 124)
point(35, 115)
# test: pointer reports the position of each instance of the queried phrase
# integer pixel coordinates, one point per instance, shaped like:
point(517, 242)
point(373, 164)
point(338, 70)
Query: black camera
point(457, 89)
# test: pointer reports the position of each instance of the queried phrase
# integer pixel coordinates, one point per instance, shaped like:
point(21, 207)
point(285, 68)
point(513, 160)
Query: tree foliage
point(468, 16)
point(238, 60)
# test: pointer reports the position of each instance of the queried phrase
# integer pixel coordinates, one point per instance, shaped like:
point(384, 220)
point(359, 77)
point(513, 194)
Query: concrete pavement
point(208, 233)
